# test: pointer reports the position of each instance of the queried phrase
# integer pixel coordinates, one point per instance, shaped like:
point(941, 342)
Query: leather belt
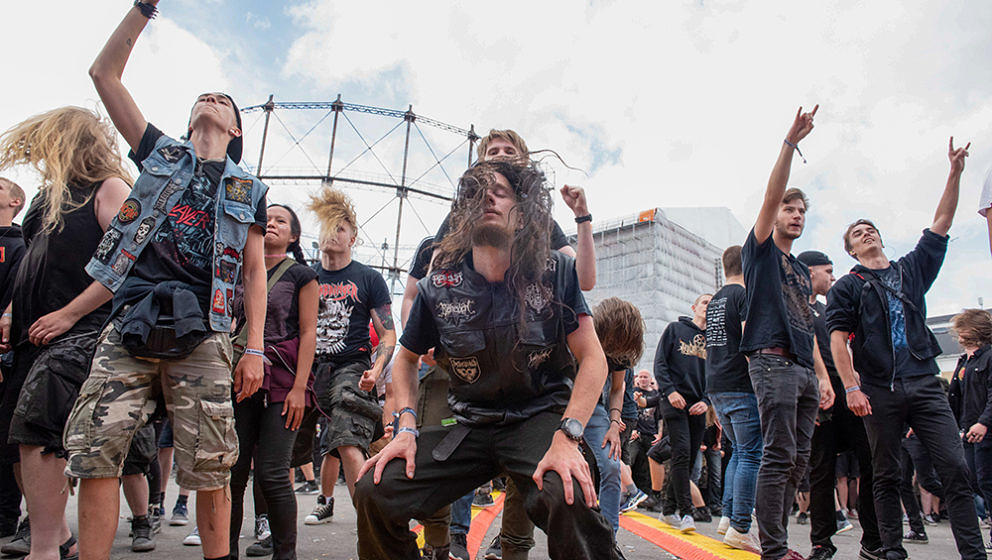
point(776, 351)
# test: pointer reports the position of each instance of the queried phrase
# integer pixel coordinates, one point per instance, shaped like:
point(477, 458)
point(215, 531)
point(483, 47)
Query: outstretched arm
point(801, 127)
point(949, 200)
point(585, 257)
point(106, 73)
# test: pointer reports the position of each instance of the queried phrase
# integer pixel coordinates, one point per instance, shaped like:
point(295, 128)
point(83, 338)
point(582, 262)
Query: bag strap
point(876, 281)
point(242, 337)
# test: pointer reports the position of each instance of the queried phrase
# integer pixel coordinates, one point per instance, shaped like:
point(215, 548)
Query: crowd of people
point(172, 321)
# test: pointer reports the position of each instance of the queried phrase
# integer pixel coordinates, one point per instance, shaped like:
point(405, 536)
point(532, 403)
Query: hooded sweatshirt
point(680, 361)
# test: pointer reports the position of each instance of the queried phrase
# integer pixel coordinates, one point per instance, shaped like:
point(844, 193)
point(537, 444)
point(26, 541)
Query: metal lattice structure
point(398, 178)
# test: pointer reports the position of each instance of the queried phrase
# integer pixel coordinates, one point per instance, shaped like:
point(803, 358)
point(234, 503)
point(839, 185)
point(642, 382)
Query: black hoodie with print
point(680, 361)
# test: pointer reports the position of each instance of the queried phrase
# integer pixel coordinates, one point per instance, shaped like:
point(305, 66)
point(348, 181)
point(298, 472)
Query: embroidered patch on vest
point(219, 303)
point(171, 154)
point(121, 263)
point(238, 190)
point(163, 197)
point(537, 297)
point(226, 271)
point(107, 245)
point(467, 369)
point(231, 252)
point(538, 357)
point(144, 229)
point(456, 312)
point(230, 298)
point(446, 279)
point(129, 211)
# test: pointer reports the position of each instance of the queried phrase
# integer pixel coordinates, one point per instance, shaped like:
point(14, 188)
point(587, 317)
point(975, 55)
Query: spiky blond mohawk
point(332, 207)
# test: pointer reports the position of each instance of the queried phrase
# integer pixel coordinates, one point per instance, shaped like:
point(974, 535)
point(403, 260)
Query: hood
point(686, 320)
point(13, 230)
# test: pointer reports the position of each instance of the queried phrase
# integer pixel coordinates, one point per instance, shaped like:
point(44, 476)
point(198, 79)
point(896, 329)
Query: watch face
point(572, 428)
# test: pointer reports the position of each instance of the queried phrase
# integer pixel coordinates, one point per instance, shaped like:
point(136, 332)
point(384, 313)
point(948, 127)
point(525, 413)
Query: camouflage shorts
point(353, 415)
point(119, 397)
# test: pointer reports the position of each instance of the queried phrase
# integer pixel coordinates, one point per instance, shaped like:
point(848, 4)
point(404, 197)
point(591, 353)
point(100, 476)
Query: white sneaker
point(687, 525)
point(721, 529)
point(672, 519)
point(193, 539)
point(743, 541)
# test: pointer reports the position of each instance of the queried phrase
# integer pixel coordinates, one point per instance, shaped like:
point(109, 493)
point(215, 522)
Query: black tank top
point(52, 272)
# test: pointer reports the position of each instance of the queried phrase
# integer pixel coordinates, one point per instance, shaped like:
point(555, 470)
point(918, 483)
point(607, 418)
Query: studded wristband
point(146, 9)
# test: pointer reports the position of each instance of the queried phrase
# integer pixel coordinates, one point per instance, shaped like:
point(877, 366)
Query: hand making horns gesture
point(957, 156)
point(801, 126)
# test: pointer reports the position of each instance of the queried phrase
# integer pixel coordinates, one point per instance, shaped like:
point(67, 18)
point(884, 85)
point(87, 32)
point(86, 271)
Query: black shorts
point(142, 452)
point(661, 451)
point(847, 465)
point(54, 374)
point(303, 446)
point(10, 389)
point(353, 415)
point(631, 423)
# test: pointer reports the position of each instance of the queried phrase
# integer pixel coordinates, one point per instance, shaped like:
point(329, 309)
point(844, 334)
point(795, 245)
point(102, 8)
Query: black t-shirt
point(647, 421)
point(778, 290)
point(425, 251)
point(822, 336)
point(347, 298)
point(53, 270)
point(11, 250)
point(726, 365)
point(282, 311)
point(183, 247)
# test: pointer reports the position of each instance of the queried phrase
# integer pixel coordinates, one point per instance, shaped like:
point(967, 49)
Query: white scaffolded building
point(661, 260)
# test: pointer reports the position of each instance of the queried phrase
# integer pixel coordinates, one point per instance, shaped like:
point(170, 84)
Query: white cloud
point(167, 70)
point(696, 97)
point(261, 23)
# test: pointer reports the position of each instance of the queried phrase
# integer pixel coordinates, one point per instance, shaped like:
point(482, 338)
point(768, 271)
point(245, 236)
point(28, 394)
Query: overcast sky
point(660, 103)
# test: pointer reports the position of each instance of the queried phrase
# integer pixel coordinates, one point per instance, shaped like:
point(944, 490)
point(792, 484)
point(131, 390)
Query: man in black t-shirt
point(878, 310)
point(510, 329)
point(351, 295)
point(838, 430)
point(778, 337)
point(729, 388)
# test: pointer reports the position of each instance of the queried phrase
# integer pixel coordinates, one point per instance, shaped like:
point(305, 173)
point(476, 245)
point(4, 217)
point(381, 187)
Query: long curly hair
point(530, 243)
point(68, 146)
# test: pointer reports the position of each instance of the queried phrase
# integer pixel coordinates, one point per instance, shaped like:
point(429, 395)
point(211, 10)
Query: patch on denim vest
point(238, 190)
point(129, 211)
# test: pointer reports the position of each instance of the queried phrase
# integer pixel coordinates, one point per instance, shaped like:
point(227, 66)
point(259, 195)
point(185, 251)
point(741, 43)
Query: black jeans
point(920, 402)
point(639, 467)
point(979, 459)
point(910, 501)
point(685, 433)
point(262, 436)
point(788, 397)
point(384, 510)
point(842, 431)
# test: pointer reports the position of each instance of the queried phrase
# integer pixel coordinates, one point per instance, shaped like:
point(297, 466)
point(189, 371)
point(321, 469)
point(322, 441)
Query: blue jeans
point(738, 414)
point(609, 469)
point(461, 514)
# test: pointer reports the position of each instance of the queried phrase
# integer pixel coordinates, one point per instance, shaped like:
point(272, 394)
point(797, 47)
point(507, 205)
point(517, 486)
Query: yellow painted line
point(692, 546)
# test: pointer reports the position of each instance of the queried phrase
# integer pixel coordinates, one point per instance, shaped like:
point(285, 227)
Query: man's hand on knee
point(403, 446)
point(564, 458)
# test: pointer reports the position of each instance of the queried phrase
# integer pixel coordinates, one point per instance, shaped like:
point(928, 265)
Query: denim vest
point(166, 172)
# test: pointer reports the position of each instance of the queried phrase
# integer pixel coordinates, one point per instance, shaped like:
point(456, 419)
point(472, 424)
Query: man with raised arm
point(890, 375)
point(192, 225)
point(778, 339)
point(507, 319)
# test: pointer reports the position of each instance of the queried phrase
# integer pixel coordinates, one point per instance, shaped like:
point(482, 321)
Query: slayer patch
point(238, 190)
point(129, 211)
point(467, 369)
point(219, 303)
point(446, 279)
point(171, 154)
point(107, 245)
point(226, 271)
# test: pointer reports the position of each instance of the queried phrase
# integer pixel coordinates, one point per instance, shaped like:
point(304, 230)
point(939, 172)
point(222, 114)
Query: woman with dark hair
point(267, 422)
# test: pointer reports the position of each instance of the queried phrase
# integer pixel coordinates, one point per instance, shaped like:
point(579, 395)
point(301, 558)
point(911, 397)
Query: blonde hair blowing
point(332, 207)
point(67, 146)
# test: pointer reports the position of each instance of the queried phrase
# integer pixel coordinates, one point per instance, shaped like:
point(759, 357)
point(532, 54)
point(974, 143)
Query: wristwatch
point(572, 429)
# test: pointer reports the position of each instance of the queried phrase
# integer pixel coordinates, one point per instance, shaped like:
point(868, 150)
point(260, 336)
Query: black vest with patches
point(502, 371)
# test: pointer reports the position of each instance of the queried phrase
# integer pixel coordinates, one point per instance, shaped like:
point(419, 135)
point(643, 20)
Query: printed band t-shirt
point(183, 246)
point(726, 366)
point(905, 365)
point(822, 336)
point(778, 290)
point(347, 298)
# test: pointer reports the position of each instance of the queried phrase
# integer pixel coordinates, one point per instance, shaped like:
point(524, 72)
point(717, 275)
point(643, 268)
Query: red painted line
point(683, 549)
point(481, 522)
